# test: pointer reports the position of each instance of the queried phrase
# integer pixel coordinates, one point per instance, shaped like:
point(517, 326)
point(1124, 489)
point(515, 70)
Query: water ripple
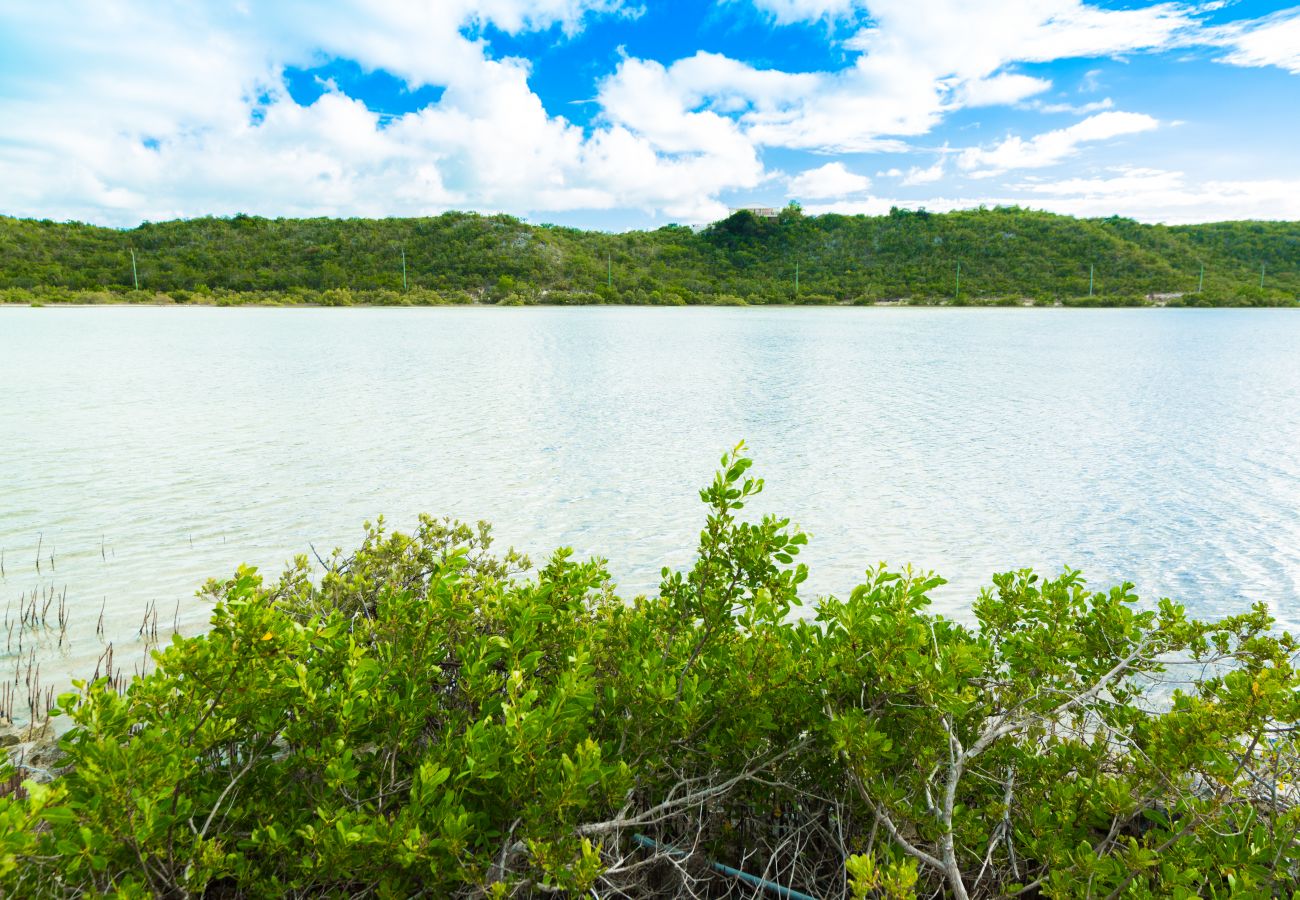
point(150, 449)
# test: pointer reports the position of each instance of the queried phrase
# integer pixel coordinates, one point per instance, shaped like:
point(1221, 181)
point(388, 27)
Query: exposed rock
point(34, 752)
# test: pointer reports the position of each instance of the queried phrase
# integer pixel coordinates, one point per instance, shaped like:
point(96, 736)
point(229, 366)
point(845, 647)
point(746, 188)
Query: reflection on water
point(148, 449)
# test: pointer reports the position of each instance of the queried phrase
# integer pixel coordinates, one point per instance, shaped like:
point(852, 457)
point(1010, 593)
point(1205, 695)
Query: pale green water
point(1154, 445)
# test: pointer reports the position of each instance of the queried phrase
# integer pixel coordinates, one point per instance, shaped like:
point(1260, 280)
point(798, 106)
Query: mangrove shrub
point(427, 717)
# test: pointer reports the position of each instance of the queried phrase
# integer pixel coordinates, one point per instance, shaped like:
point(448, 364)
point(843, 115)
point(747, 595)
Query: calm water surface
point(148, 449)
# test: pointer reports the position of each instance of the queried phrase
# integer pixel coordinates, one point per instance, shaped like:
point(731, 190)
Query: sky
point(618, 114)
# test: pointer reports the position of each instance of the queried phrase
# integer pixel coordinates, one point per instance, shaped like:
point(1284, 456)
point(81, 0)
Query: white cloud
point(119, 111)
point(919, 62)
point(1148, 195)
point(1051, 147)
point(1000, 90)
point(1081, 109)
point(1156, 195)
point(830, 180)
point(1091, 82)
point(712, 81)
point(862, 206)
point(916, 175)
point(786, 12)
point(688, 154)
point(189, 85)
point(1128, 181)
point(1271, 41)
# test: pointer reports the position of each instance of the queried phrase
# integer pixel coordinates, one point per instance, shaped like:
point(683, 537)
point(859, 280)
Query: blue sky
point(619, 114)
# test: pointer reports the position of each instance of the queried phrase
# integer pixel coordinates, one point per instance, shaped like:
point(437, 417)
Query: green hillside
point(1005, 255)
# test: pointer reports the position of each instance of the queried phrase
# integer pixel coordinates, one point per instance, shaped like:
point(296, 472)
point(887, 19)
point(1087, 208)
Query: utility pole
point(1200, 284)
point(1091, 270)
point(135, 275)
point(957, 292)
point(1261, 275)
point(403, 268)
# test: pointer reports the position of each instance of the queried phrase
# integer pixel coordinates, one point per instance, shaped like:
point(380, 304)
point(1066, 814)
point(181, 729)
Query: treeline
point(987, 256)
point(428, 719)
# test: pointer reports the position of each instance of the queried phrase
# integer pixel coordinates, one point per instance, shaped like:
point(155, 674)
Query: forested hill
point(1002, 255)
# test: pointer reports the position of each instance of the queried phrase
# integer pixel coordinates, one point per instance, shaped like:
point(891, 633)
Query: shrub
point(427, 717)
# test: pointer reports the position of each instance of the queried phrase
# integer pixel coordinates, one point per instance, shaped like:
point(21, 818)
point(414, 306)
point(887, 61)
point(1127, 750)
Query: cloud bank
point(120, 111)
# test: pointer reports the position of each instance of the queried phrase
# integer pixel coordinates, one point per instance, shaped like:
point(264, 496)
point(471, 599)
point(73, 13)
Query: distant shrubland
point(1007, 256)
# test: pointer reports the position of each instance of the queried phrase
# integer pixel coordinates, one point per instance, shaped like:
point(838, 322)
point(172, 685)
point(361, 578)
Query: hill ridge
point(986, 255)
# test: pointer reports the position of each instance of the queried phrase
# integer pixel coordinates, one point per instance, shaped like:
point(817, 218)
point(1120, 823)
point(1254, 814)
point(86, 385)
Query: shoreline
point(879, 304)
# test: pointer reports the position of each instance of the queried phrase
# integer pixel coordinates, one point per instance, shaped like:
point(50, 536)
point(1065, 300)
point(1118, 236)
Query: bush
point(568, 298)
point(425, 719)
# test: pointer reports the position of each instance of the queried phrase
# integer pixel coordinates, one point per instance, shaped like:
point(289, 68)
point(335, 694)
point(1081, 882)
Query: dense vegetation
point(1006, 255)
point(427, 719)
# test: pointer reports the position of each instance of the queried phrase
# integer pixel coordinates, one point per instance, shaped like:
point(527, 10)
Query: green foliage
point(1007, 255)
point(426, 717)
point(891, 882)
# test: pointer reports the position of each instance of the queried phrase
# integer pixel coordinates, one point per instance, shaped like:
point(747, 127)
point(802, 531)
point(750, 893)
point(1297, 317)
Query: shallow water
point(147, 449)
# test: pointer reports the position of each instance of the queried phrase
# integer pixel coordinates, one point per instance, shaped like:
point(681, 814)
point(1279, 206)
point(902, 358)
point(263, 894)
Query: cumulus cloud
point(830, 180)
point(917, 175)
point(120, 111)
point(705, 150)
point(705, 81)
point(143, 113)
point(1001, 90)
point(918, 62)
point(1051, 147)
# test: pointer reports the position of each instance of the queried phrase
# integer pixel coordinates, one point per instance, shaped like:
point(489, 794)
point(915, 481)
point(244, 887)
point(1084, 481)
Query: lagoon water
point(146, 449)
